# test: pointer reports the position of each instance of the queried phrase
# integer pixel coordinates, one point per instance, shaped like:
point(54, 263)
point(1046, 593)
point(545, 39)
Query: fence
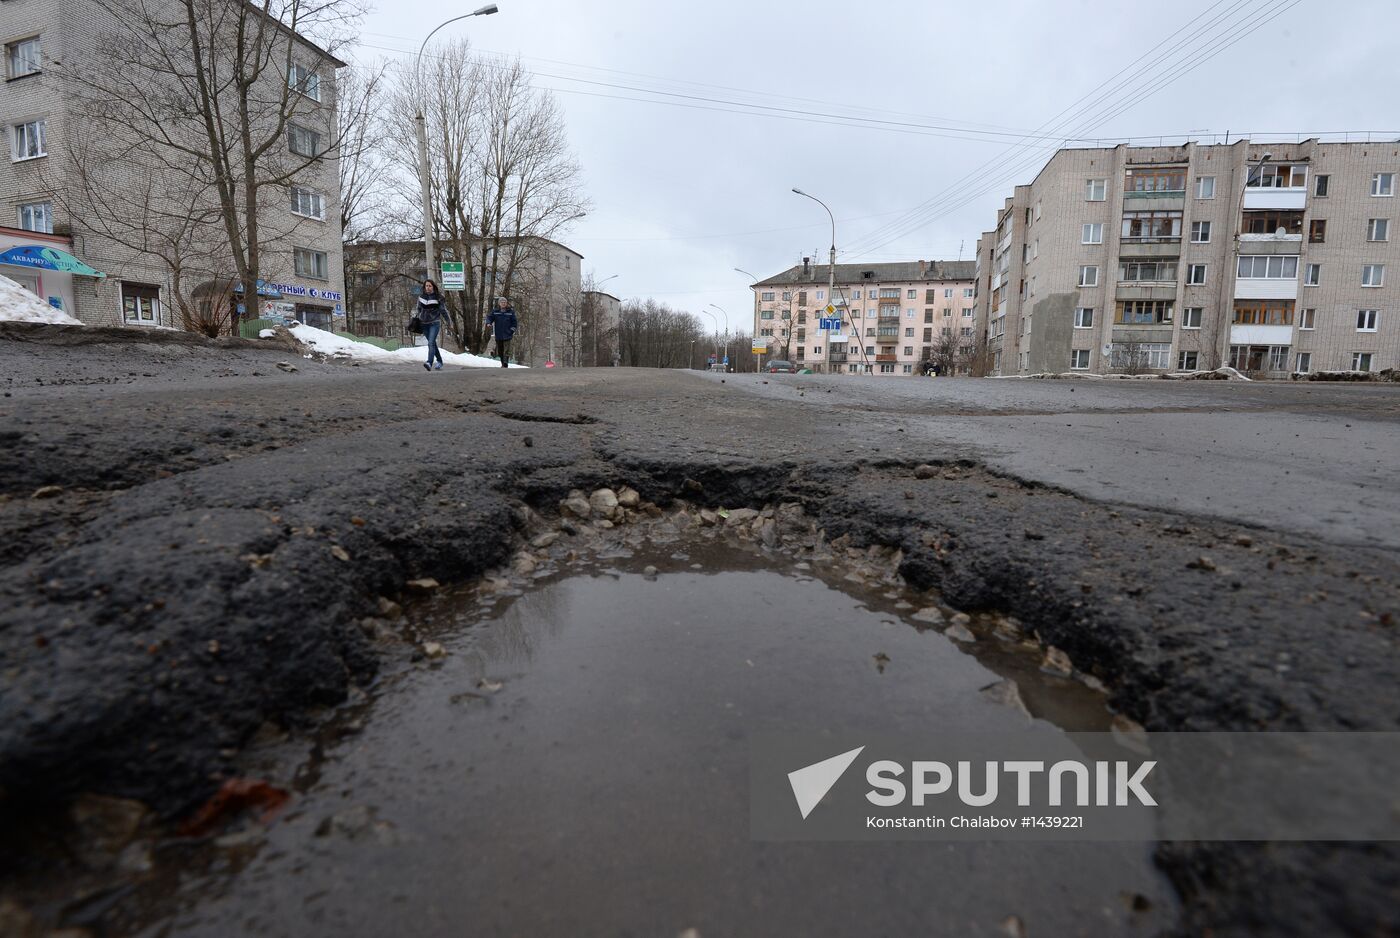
point(251, 328)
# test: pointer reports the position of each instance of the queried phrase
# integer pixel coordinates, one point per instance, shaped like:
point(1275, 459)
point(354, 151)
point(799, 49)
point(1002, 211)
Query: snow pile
point(334, 346)
point(19, 305)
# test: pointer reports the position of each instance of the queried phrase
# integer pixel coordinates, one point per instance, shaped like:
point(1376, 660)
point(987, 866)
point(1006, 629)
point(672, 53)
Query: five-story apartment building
point(883, 319)
point(1272, 258)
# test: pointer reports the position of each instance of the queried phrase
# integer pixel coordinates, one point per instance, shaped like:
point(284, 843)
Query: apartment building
point(884, 319)
point(1275, 258)
point(601, 314)
point(108, 267)
point(545, 285)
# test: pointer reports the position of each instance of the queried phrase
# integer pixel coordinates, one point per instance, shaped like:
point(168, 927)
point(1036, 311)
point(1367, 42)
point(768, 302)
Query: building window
point(1262, 267)
point(1366, 320)
point(1140, 354)
point(1263, 313)
point(1312, 275)
point(304, 80)
point(1144, 312)
point(908, 369)
point(1079, 359)
point(948, 292)
point(911, 295)
point(1195, 274)
point(1317, 231)
point(1383, 184)
point(821, 296)
point(1186, 361)
point(303, 141)
point(1151, 226)
point(308, 203)
point(1156, 179)
point(310, 263)
point(967, 293)
point(1084, 317)
point(855, 295)
point(1322, 186)
point(1095, 190)
point(1303, 363)
point(765, 314)
point(909, 333)
point(1088, 276)
point(1378, 229)
point(1150, 271)
point(27, 139)
point(1360, 361)
point(767, 297)
point(928, 315)
point(1200, 232)
point(908, 350)
point(1091, 234)
point(965, 331)
point(1307, 319)
point(140, 303)
point(1373, 275)
point(1279, 176)
point(1191, 317)
point(1205, 187)
point(22, 57)
point(36, 216)
point(816, 350)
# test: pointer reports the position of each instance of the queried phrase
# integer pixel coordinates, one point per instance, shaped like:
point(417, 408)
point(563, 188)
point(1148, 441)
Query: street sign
point(830, 309)
point(760, 349)
point(831, 323)
point(454, 276)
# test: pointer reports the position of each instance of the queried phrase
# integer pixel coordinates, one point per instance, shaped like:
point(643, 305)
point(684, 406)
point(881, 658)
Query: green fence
point(251, 328)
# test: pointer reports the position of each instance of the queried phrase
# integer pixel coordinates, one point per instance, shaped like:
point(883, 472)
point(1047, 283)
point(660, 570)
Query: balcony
point(1146, 201)
point(886, 358)
point(1289, 242)
point(837, 358)
point(1260, 335)
point(1266, 288)
point(1292, 199)
point(1140, 290)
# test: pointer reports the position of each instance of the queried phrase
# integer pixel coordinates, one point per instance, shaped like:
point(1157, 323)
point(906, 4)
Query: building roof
point(899, 271)
point(258, 10)
point(602, 293)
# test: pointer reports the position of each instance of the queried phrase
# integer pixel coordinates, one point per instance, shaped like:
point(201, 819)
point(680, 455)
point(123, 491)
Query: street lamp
point(756, 336)
point(831, 266)
point(420, 126)
point(715, 319)
point(726, 331)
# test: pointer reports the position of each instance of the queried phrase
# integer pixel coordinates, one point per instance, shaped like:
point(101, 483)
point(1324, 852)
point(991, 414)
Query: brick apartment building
point(1275, 258)
point(55, 249)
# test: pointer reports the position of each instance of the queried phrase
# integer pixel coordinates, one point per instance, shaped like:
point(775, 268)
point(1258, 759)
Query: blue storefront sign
point(311, 293)
point(41, 257)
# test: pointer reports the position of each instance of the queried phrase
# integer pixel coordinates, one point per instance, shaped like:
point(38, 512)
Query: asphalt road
point(189, 534)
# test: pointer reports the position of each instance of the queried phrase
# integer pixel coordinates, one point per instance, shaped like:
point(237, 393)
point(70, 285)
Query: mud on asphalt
point(185, 562)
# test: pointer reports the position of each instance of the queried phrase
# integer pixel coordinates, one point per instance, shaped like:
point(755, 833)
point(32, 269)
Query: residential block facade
point(884, 319)
point(1274, 258)
point(50, 245)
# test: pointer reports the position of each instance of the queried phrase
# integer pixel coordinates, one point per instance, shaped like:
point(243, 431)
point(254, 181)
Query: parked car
point(779, 368)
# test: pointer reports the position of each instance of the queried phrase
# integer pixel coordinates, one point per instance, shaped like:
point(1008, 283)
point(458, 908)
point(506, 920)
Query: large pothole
point(562, 748)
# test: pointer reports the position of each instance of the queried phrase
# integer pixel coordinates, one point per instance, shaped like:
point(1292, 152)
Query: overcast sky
point(682, 195)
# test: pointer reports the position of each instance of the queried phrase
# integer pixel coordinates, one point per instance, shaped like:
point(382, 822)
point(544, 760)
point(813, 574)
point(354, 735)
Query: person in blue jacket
point(503, 324)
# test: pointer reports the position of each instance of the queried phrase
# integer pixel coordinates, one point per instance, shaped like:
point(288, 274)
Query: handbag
point(415, 325)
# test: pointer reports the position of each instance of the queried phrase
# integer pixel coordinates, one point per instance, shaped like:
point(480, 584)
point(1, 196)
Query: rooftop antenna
point(961, 245)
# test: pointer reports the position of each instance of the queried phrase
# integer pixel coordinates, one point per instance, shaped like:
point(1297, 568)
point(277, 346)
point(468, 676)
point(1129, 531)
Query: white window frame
point(47, 212)
point(1302, 363)
point(314, 199)
point(292, 132)
point(1356, 361)
point(1372, 276)
point(1379, 226)
point(11, 57)
point(1367, 320)
point(1383, 185)
point(298, 254)
point(1091, 233)
point(1188, 321)
point(1312, 275)
point(1204, 183)
point(1084, 317)
point(40, 132)
point(1307, 319)
point(1196, 275)
point(1199, 228)
point(1075, 359)
point(1095, 190)
point(304, 81)
point(1085, 272)
point(1181, 360)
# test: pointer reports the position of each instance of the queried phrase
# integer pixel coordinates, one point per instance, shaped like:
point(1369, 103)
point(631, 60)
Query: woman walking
point(430, 315)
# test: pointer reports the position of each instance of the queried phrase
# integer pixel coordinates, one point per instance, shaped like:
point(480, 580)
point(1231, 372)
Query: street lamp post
point(831, 265)
point(715, 319)
point(756, 336)
point(725, 364)
point(593, 312)
point(420, 126)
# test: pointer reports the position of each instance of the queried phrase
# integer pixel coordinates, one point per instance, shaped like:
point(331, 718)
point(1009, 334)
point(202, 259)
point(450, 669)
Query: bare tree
point(976, 359)
point(945, 353)
point(502, 175)
point(1129, 357)
point(225, 95)
point(365, 188)
point(652, 335)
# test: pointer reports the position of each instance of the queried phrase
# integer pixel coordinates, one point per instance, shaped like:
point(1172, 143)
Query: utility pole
point(831, 267)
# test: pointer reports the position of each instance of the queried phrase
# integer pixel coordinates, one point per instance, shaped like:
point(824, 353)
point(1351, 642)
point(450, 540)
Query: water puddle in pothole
point(576, 763)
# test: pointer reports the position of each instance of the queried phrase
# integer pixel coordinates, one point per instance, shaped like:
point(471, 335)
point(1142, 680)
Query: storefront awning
point(264, 289)
point(43, 257)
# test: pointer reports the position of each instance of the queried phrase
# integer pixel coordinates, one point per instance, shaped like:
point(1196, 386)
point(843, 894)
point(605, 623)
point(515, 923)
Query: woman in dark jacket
point(430, 315)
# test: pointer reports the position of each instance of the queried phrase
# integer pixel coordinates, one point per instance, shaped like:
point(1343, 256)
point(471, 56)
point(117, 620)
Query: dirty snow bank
point(19, 305)
point(335, 346)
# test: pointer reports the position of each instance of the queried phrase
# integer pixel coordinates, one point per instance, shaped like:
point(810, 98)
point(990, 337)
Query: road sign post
point(454, 276)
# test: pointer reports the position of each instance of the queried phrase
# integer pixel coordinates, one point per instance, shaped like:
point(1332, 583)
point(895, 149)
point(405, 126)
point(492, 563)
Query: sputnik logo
point(810, 784)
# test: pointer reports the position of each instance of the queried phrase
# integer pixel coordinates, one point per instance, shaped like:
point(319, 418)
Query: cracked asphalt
point(1220, 555)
